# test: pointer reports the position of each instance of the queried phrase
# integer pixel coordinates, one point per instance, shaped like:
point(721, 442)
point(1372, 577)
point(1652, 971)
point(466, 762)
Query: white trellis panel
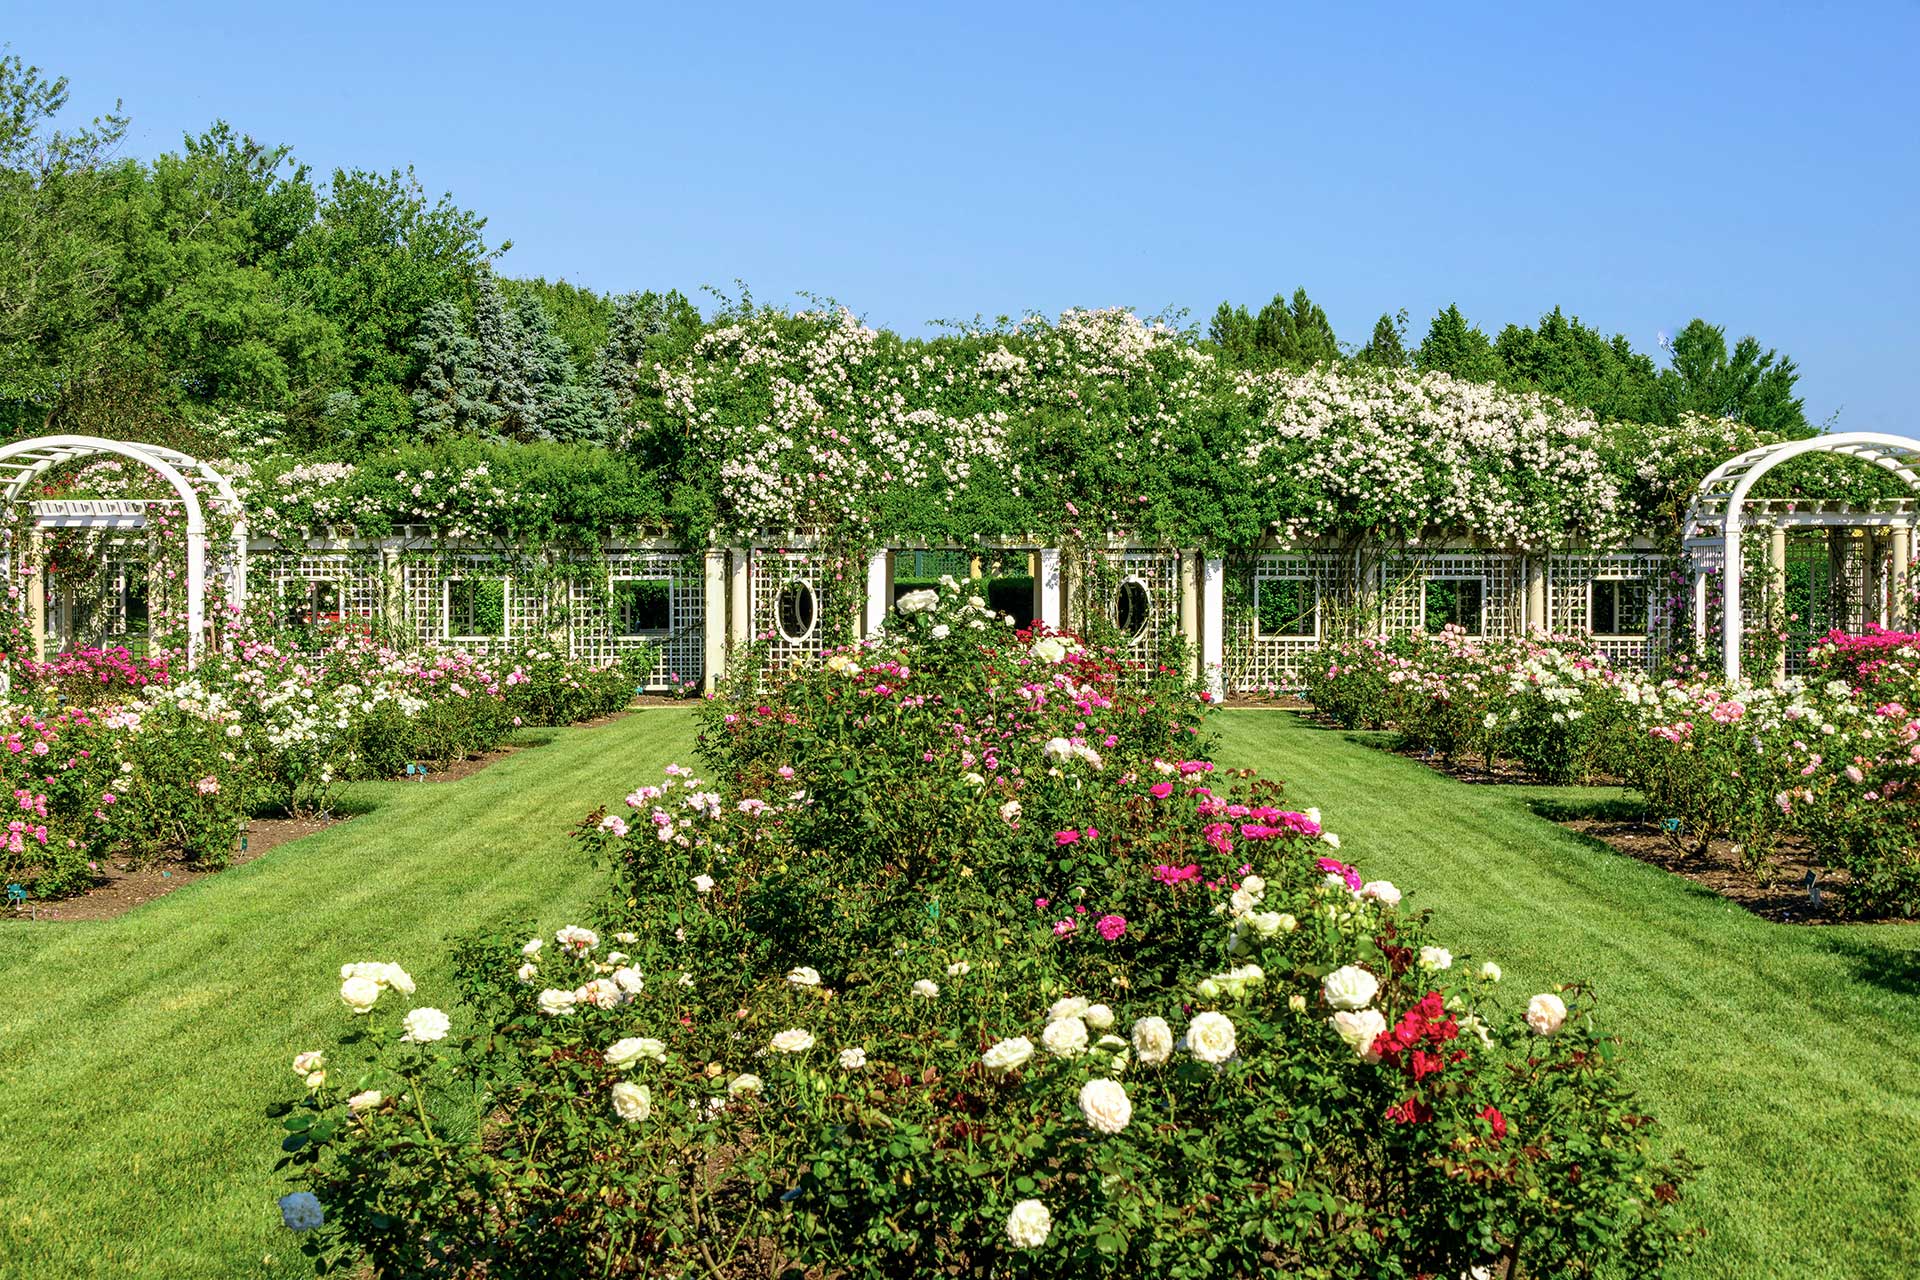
point(1157, 573)
point(424, 578)
point(593, 636)
point(802, 576)
point(1570, 599)
point(1404, 581)
point(1259, 662)
point(355, 576)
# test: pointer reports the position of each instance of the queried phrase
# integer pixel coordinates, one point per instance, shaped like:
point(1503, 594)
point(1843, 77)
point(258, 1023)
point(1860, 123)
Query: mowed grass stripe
point(1782, 1058)
point(137, 1055)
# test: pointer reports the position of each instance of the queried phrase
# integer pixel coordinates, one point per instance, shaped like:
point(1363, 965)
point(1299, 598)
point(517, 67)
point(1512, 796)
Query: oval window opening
point(1132, 608)
point(795, 609)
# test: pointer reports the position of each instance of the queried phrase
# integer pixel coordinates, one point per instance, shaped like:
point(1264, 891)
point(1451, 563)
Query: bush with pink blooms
point(963, 958)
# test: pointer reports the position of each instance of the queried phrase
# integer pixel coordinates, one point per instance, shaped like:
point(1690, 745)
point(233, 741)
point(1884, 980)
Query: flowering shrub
point(1831, 761)
point(967, 959)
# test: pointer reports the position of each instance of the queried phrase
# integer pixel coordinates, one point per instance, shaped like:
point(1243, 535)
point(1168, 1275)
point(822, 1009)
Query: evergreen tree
point(1386, 348)
point(643, 326)
point(1750, 386)
point(1566, 359)
point(1232, 332)
point(450, 397)
point(1454, 346)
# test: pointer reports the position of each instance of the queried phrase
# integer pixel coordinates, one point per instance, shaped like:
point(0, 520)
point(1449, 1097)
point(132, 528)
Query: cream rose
point(556, 1003)
point(423, 1026)
point(624, 1053)
point(1490, 972)
point(926, 988)
point(632, 1102)
point(1067, 1007)
point(745, 1082)
point(366, 1100)
point(1210, 1037)
point(1105, 1105)
point(1360, 1028)
point(1097, 1016)
point(853, 1059)
point(361, 993)
point(1007, 1054)
point(1153, 1040)
point(794, 1040)
point(1065, 1037)
point(1545, 1013)
point(1381, 891)
point(1349, 987)
point(803, 976)
point(1029, 1225)
point(1434, 959)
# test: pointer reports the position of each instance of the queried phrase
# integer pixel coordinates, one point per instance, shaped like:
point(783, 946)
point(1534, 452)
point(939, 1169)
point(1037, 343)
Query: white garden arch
point(24, 461)
point(1714, 520)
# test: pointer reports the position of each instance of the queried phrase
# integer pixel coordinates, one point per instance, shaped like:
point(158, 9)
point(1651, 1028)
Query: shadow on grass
point(1874, 958)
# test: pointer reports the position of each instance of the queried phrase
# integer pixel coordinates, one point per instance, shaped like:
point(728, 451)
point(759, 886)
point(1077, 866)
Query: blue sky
point(1758, 166)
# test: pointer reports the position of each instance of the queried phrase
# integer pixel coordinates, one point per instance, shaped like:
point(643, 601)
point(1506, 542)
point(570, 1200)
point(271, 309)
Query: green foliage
point(1286, 333)
point(1455, 346)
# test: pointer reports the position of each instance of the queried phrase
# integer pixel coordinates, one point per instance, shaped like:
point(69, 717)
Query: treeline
point(1559, 356)
point(151, 298)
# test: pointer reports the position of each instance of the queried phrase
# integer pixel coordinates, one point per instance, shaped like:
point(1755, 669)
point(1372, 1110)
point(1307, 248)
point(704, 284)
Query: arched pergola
point(24, 461)
point(1713, 528)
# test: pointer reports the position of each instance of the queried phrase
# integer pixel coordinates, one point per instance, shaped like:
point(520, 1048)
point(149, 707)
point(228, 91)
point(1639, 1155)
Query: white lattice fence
point(1135, 592)
point(1285, 618)
point(1621, 598)
point(789, 604)
point(647, 599)
point(472, 599)
point(1479, 591)
point(322, 588)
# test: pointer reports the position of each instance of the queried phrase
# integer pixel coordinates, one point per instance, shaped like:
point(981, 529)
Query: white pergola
point(24, 461)
point(1715, 519)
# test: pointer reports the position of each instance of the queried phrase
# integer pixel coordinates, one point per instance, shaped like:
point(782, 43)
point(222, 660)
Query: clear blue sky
point(1637, 165)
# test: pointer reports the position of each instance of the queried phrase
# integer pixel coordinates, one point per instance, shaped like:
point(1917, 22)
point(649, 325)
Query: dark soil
point(118, 890)
point(1775, 890)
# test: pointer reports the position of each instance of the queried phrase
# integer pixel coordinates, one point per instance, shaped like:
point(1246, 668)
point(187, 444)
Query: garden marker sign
point(25, 461)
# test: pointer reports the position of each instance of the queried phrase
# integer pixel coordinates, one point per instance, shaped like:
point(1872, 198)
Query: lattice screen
point(1135, 594)
point(289, 580)
point(1404, 595)
point(1571, 588)
point(1260, 660)
point(594, 633)
point(789, 605)
point(424, 581)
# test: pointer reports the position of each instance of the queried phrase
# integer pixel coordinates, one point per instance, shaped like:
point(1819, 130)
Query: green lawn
point(1785, 1059)
point(137, 1055)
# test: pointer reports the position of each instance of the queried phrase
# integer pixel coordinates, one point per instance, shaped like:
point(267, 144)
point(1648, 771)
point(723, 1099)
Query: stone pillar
point(1902, 584)
point(879, 591)
point(1049, 586)
point(1213, 612)
point(1777, 591)
point(1190, 609)
point(713, 630)
point(1536, 618)
point(739, 599)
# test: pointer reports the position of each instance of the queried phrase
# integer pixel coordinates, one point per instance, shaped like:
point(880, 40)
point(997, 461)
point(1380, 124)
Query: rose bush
point(967, 959)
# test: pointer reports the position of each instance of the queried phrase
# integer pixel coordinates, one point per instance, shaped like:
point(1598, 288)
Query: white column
point(1777, 592)
point(196, 591)
point(1050, 612)
point(1190, 609)
point(879, 591)
point(1213, 616)
point(1902, 563)
point(713, 630)
point(37, 593)
point(1699, 612)
point(1730, 625)
point(240, 566)
point(740, 601)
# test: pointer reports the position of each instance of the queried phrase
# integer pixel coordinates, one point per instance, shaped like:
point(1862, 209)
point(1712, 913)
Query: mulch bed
point(1776, 891)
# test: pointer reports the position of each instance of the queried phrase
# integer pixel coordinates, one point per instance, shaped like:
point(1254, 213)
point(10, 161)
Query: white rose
point(1105, 1105)
point(309, 1062)
point(526, 973)
point(1332, 840)
point(632, 1102)
point(1360, 1028)
point(1029, 1225)
point(745, 1082)
point(1434, 959)
point(1255, 886)
point(853, 1059)
point(301, 1211)
point(533, 947)
point(959, 969)
point(627, 938)
point(1097, 1016)
point(927, 988)
point(1490, 972)
point(793, 1041)
point(941, 631)
point(361, 993)
point(1007, 1054)
point(1010, 812)
point(802, 976)
point(600, 993)
point(424, 1026)
point(917, 601)
point(1210, 1037)
point(629, 980)
point(1349, 987)
point(624, 1053)
point(703, 884)
point(394, 976)
point(1545, 1013)
point(1069, 1007)
point(1264, 923)
point(1381, 891)
point(1153, 1040)
point(1065, 1037)
point(556, 1003)
point(366, 1100)
point(576, 939)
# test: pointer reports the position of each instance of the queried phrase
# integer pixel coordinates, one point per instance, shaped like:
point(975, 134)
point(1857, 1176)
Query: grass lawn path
point(137, 1054)
point(1785, 1059)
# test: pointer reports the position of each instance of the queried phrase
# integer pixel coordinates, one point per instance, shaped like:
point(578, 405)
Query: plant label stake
point(1812, 883)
